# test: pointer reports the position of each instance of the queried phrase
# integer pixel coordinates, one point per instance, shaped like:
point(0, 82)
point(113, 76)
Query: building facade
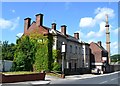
point(99, 56)
point(77, 53)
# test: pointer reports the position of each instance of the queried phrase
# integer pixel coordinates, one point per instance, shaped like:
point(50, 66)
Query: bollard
point(63, 76)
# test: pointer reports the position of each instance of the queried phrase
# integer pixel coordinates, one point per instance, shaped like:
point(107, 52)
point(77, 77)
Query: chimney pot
point(76, 35)
point(99, 43)
point(54, 26)
point(63, 29)
point(27, 22)
point(39, 19)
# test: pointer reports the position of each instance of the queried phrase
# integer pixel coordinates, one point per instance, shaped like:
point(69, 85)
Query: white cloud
point(115, 31)
point(91, 34)
point(19, 34)
point(91, 40)
point(101, 12)
point(114, 47)
point(100, 33)
point(13, 11)
point(100, 17)
point(9, 24)
point(87, 22)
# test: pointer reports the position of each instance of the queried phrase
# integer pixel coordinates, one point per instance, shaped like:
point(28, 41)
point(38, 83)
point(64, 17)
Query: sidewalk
point(27, 83)
point(49, 79)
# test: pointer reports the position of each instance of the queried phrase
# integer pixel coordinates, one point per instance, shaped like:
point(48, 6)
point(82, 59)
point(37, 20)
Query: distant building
point(77, 54)
point(99, 56)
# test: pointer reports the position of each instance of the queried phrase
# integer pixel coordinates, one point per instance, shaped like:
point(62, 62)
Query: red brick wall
point(39, 29)
point(22, 77)
point(96, 53)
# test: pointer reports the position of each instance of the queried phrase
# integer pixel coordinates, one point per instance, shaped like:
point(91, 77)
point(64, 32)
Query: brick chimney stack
point(54, 26)
point(99, 43)
point(76, 35)
point(63, 29)
point(39, 19)
point(108, 38)
point(27, 22)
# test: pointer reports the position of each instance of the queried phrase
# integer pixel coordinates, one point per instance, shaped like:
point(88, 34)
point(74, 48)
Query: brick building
point(99, 56)
point(77, 53)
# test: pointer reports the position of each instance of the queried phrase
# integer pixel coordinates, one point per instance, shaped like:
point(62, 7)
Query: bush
point(56, 66)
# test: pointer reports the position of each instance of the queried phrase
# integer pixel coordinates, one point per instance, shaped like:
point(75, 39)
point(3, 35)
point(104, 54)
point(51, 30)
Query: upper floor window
point(76, 49)
point(79, 50)
point(70, 48)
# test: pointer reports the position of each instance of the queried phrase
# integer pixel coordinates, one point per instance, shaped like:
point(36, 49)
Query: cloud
point(101, 12)
point(100, 33)
point(19, 34)
point(115, 31)
point(114, 47)
point(87, 22)
point(91, 40)
point(91, 34)
point(13, 11)
point(99, 17)
point(9, 24)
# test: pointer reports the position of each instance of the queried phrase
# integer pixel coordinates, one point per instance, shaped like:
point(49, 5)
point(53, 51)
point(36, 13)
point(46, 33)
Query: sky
point(87, 18)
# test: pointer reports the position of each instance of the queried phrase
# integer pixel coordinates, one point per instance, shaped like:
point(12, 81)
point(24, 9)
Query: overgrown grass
point(54, 74)
point(18, 72)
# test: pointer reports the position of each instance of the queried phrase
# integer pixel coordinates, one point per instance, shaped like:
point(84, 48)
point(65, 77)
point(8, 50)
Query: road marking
point(103, 82)
point(113, 79)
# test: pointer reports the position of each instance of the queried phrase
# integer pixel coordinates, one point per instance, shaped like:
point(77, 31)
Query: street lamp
point(63, 58)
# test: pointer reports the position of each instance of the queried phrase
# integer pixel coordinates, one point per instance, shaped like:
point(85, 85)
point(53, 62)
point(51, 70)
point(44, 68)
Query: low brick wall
point(115, 67)
point(21, 77)
point(77, 71)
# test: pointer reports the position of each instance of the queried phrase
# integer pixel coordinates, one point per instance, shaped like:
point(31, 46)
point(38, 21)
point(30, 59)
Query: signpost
point(63, 58)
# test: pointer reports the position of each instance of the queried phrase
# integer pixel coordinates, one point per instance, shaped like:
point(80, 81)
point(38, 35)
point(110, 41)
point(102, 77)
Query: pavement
point(49, 79)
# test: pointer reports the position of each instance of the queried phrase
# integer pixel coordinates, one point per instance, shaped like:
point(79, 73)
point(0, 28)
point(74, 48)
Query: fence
point(5, 65)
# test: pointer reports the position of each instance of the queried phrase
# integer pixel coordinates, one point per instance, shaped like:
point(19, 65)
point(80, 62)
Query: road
point(113, 78)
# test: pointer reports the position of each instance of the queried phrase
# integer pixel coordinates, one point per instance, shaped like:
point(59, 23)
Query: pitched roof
point(101, 47)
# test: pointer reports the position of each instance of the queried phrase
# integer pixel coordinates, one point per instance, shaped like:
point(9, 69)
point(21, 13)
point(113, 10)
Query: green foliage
point(41, 61)
point(55, 54)
point(34, 53)
point(0, 50)
point(56, 65)
point(24, 55)
point(8, 50)
point(115, 58)
point(43, 53)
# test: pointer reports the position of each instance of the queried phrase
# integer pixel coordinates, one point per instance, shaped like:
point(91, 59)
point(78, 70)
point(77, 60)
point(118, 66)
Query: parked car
point(96, 71)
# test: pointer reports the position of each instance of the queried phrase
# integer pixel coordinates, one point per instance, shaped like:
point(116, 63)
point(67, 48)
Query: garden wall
point(21, 77)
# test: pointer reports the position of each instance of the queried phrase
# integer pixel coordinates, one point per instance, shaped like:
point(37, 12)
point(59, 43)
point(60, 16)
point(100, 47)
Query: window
point(83, 51)
point(79, 50)
point(75, 66)
point(70, 48)
point(70, 66)
point(76, 49)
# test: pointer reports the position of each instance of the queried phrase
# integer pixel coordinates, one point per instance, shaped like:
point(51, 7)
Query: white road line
point(113, 79)
point(103, 82)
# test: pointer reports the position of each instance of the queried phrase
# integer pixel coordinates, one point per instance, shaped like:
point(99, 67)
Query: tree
point(8, 51)
point(24, 55)
point(0, 50)
point(115, 58)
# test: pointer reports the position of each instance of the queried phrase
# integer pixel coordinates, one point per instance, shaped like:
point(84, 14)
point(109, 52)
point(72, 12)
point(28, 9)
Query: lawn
point(18, 72)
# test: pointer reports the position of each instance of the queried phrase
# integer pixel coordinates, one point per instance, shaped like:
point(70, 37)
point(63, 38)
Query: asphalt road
point(113, 78)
